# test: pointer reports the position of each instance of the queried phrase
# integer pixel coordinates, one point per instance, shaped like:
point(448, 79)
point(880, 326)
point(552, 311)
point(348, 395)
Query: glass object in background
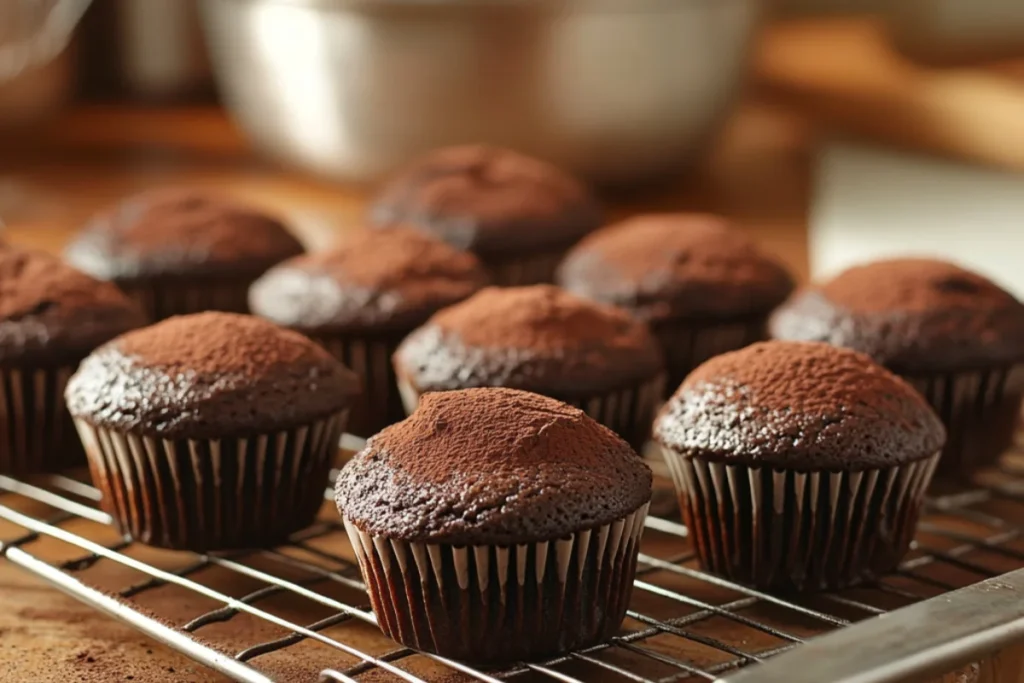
point(618, 92)
point(161, 50)
point(149, 50)
point(34, 32)
point(36, 73)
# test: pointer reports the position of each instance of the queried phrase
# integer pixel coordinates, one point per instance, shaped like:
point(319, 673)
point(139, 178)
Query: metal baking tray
point(956, 603)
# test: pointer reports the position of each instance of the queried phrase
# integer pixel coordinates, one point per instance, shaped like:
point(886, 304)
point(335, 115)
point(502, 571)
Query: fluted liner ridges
point(36, 430)
point(787, 530)
point(980, 411)
point(491, 604)
point(213, 494)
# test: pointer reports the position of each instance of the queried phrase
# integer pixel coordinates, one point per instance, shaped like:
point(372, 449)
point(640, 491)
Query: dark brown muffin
point(703, 286)
point(212, 430)
point(182, 251)
point(954, 335)
point(361, 298)
point(540, 339)
point(518, 214)
point(799, 465)
point(51, 317)
point(496, 525)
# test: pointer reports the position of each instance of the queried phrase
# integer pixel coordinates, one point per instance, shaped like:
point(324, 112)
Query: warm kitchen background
point(832, 130)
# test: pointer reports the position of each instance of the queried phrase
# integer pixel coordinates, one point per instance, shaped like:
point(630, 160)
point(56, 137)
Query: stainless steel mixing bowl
point(618, 90)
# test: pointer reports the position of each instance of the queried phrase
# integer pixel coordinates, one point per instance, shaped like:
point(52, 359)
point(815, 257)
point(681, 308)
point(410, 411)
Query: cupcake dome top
point(179, 232)
point(672, 266)
point(209, 375)
point(799, 406)
point(375, 280)
point(537, 338)
point(911, 315)
point(488, 200)
point(53, 314)
point(491, 466)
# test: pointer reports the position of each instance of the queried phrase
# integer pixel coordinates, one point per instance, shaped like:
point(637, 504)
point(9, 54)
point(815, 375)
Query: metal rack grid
point(684, 624)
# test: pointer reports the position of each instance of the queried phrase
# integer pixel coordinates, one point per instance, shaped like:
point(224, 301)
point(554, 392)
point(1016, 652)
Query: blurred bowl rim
point(551, 6)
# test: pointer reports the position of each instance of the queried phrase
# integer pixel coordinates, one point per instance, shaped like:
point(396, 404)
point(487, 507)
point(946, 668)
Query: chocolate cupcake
point(496, 525)
point(544, 340)
point(954, 335)
point(517, 214)
point(51, 317)
point(703, 286)
point(212, 430)
point(182, 251)
point(799, 465)
point(360, 299)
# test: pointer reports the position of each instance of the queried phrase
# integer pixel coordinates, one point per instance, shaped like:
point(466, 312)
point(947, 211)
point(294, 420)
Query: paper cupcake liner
point(687, 344)
point(783, 530)
point(36, 431)
point(628, 412)
point(528, 269)
point(212, 494)
point(980, 411)
point(491, 604)
point(162, 300)
point(380, 403)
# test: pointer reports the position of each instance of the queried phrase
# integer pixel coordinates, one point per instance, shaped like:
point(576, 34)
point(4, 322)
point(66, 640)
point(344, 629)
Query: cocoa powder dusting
point(209, 375)
point(913, 285)
point(915, 316)
point(799, 405)
point(52, 313)
point(375, 279)
point(180, 232)
point(537, 338)
point(212, 344)
point(669, 266)
point(489, 200)
point(539, 318)
point(491, 466)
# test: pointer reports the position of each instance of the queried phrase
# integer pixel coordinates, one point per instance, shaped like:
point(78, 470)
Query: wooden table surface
point(758, 173)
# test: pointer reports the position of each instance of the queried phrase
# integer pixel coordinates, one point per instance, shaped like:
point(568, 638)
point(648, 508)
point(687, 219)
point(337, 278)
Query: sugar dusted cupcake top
point(491, 466)
point(52, 314)
point(538, 338)
point(375, 280)
point(675, 266)
point(488, 200)
point(180, 232)
point(800, 406)
point(911, 315)
point(209, 375)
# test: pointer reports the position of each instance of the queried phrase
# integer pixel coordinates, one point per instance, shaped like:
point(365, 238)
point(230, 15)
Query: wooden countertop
point(847, 75)
point(757, 173)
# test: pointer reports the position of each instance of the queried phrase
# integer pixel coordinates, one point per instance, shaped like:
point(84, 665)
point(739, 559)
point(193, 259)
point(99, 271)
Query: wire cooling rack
point(299, 612)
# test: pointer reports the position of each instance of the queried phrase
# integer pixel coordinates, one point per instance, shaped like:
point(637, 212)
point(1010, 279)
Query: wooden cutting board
point(846, 73)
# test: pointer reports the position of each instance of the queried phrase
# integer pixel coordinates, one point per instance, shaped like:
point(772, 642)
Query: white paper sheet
point(871, 203)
